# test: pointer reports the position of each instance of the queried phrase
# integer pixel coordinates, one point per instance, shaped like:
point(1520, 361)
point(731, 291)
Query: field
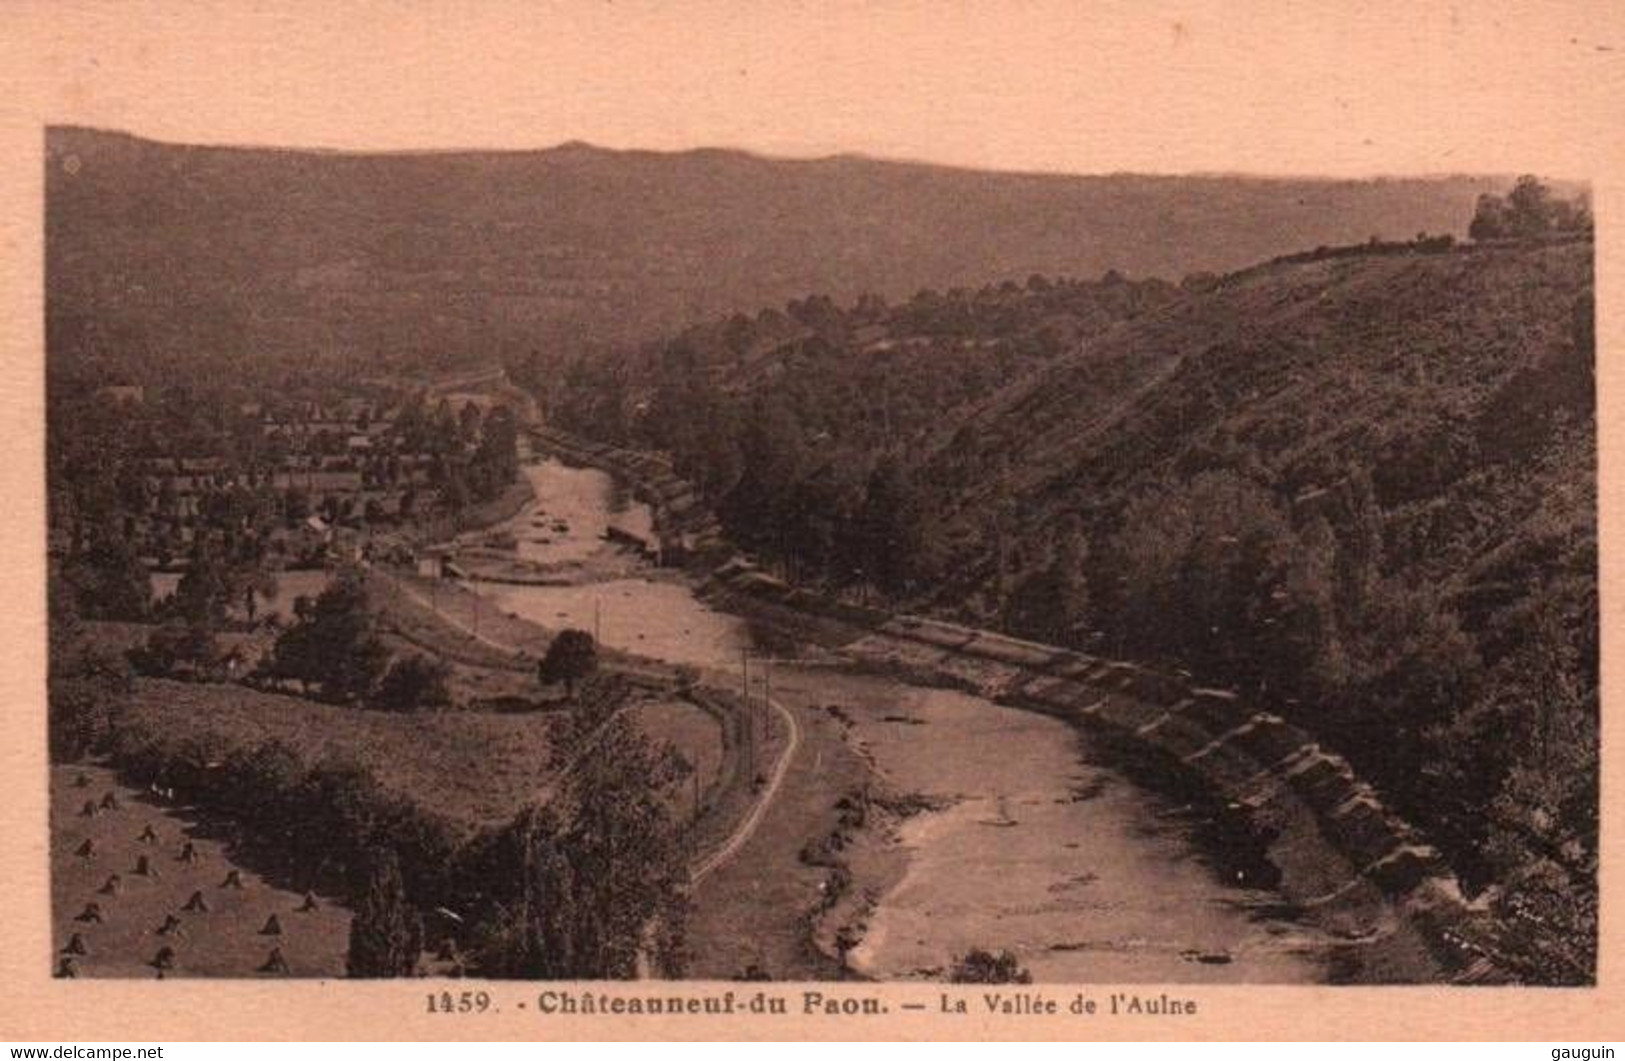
point(225, 940)
point(472, 767)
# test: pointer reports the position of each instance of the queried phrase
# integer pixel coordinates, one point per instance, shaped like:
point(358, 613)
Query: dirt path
point(226, 939)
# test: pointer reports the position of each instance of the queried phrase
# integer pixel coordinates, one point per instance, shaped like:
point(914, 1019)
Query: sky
point(1344, 88)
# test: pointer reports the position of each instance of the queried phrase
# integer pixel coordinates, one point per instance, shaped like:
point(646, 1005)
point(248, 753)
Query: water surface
point(1038, 846)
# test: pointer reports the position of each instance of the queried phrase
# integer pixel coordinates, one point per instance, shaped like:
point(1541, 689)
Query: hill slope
point(1362, 489)
point(164, 258)
point(1432, 372)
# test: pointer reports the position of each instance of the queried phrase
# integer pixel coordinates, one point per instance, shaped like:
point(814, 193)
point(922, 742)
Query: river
point(1035, 842)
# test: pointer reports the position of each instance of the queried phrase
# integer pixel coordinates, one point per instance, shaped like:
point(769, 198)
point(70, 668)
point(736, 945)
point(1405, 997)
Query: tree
point(1489, 218)
point(1529, 210)
point(1202, 571)
point(495, 463)
point(414, 683)
point(1050, 604)
point(571, 657)
point(1529, 207)
point(386, 934)
point(85, 686)
point(601, 885)
point(759, 509)
point(896, 550)
point(295, 506)
point(468, 423)
point(109, 580)
point(253, 581)
point(205, 591)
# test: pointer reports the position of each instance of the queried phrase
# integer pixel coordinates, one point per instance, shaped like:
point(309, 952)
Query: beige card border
point(1569, 124)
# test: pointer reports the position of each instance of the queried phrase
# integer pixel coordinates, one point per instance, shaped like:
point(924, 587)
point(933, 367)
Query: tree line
point(1528, 211)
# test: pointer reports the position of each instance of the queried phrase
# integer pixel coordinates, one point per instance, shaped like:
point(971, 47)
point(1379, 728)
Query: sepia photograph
point(836, 551)
point(447, 578)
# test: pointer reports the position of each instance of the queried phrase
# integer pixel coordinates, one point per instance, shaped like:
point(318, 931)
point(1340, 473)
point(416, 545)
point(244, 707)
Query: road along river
point(1031, 841)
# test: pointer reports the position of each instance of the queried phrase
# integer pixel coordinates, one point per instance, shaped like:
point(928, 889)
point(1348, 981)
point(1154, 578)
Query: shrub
point(414, 683)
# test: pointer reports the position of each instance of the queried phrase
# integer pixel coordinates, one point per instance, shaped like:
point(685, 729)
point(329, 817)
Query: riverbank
point(1352, 870)
point(732, 751)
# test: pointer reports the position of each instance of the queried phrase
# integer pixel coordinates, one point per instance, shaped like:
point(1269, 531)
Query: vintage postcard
point(1031, 520)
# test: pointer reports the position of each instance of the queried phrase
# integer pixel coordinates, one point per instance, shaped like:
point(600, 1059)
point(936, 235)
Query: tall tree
point(386, 934)
point(85, 685)
point(205, 590)
point(601, 877)
point(415, 683)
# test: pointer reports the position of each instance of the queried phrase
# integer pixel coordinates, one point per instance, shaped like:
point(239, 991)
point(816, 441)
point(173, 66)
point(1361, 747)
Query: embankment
point(500, 509)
